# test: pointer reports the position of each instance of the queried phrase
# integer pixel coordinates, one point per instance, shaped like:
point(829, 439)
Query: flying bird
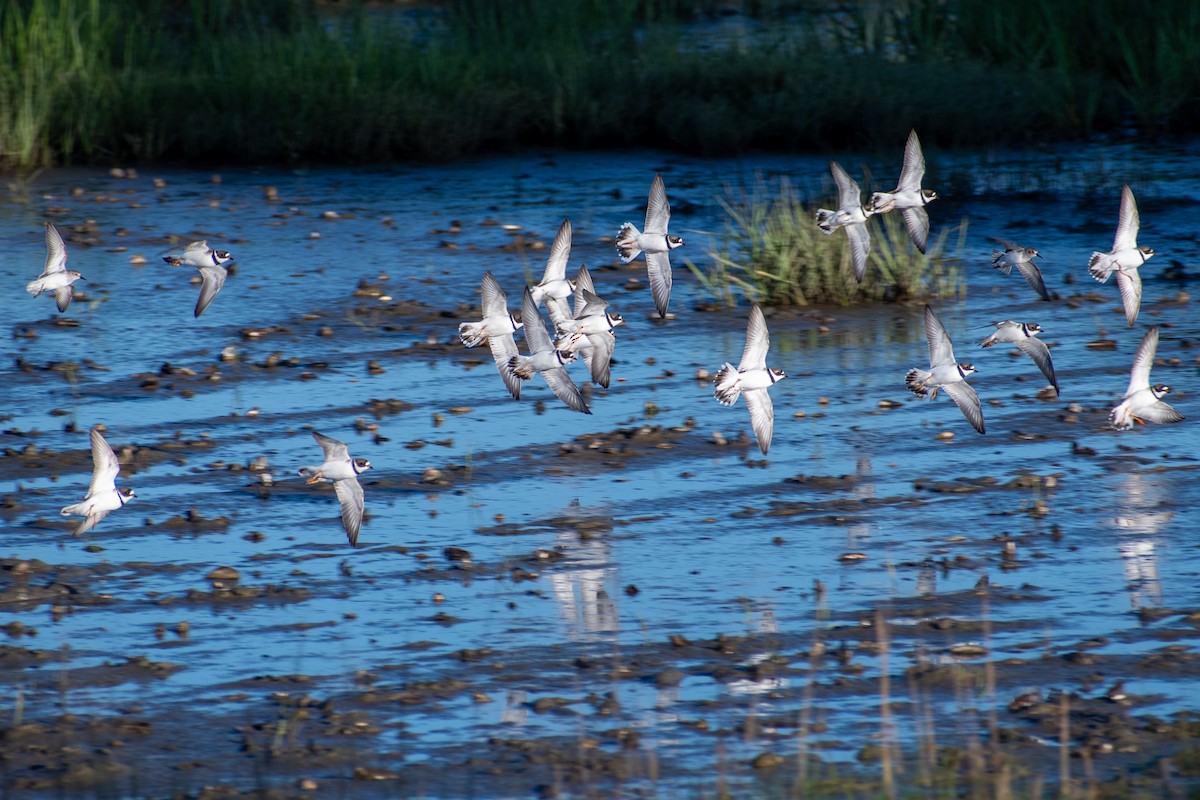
point(1124, 258)
point(1143, 402)
point(544, 358)
point(751, 379)
point(496, 328)
point(1022, 335)
point(908, 197)
point(945, 373)
point(655, 242)
point(554, 288)
point(589, 331)
point(1014, 255)
point(851, 215)
point(55, 276)
point(209, 262)
point(103, 496)
point(343, 472)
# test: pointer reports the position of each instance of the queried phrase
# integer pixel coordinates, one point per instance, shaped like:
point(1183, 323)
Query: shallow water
point(650, 537)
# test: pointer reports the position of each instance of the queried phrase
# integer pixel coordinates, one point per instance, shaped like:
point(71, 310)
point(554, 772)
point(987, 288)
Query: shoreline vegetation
point(772, 252)
point(292, 81)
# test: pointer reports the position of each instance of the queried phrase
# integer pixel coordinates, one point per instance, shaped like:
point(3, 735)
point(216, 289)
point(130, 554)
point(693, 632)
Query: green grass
point(1090, 48)
point(279, 81)
point(772, 252)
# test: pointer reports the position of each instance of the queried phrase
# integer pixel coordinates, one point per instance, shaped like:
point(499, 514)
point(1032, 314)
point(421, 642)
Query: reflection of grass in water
point(366, 319)
point(773, 252)
point(977, 759)
point(275, 80)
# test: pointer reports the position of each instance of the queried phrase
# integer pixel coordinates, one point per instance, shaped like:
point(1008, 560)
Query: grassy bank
point(280, 81)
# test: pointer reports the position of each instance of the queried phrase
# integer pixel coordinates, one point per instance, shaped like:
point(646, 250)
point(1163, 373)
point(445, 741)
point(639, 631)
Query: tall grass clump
point(772, 252)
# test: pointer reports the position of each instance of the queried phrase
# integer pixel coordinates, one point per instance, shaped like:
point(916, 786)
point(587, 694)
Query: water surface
point(601, 553)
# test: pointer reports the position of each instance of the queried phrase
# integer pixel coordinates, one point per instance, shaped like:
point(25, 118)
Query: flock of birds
point(1142, 401)
point(103, 496)
point(584, 326)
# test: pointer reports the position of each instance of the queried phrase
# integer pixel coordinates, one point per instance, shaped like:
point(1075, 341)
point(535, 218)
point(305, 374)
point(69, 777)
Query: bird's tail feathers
point(728, 385)
point(521, 367)
point(825, 221)
point(915, 381)
point(472, 333)
point(1099, 268)
point(572, 342)
point(565, 329)
point(1121, 418)
point(627, 242)
point(308, 473)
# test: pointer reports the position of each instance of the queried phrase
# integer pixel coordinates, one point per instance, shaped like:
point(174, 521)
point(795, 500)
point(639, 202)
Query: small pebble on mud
point(766, 761)
point(969, 650)
point(222, 576)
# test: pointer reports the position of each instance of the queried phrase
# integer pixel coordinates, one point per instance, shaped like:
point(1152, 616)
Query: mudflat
point(544, 603)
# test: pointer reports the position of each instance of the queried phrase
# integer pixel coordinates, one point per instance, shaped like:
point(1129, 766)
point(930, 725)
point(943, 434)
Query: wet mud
point(546, 604)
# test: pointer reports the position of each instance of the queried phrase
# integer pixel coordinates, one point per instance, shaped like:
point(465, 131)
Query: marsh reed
point(285, 81)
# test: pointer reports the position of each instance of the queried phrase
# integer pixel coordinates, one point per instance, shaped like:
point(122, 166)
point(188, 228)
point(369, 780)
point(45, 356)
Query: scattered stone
point(225, 576)
point(766, 761)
